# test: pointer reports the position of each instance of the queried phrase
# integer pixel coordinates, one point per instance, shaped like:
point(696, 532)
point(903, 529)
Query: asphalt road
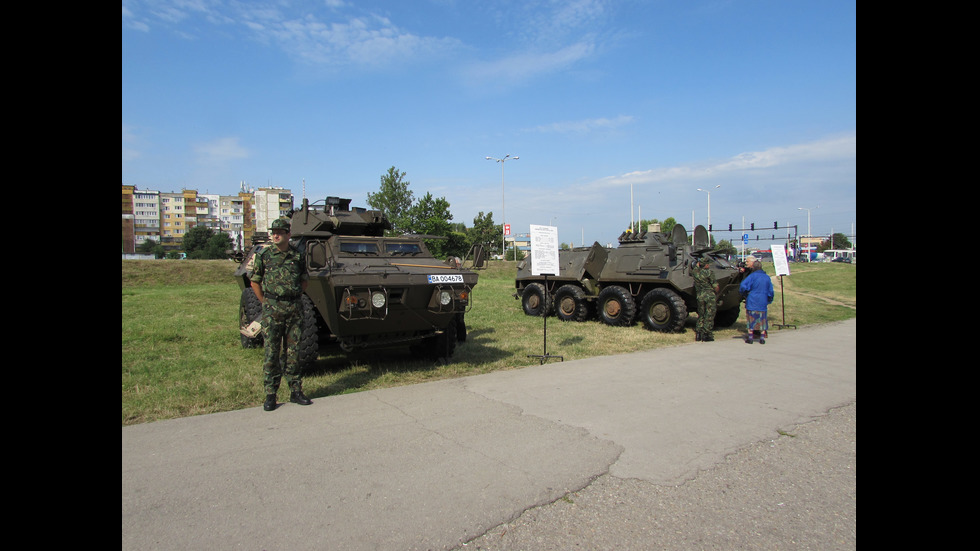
point(717, 445)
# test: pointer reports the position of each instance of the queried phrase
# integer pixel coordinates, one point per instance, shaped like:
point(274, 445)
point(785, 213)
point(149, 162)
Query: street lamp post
point(708, 191)
point(809, 236)
point(503, 206)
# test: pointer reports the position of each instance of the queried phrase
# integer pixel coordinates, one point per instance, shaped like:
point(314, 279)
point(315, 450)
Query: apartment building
point(146, 212)
point(166, 216)
point(237, 215)
point(271, 203)
point(128, 220)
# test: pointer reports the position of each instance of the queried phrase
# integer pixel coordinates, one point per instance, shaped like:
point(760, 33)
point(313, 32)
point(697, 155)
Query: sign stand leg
point(545, 355)
point(782, 299)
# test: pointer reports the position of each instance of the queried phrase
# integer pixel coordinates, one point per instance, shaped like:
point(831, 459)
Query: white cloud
point(521, 67)
point(220, 151)
point(583, 126)
point(792, 157)
point(129, 144)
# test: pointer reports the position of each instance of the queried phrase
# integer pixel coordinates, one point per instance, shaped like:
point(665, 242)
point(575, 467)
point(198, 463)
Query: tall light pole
point(808, 234)
point(808, 217)
point(503, 205)
point(708, 191)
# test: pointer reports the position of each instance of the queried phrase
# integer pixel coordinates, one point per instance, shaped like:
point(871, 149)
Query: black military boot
point(297, 397)
point(708, 337)
point(697, 336)
point(270, 402)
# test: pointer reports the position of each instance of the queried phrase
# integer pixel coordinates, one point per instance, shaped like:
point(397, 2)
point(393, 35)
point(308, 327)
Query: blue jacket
point(757, 288)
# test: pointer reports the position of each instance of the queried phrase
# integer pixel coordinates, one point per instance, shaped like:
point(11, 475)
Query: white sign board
point(544, 250)
point(779, 259)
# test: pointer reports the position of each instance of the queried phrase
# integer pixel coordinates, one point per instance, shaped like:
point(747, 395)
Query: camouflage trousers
point(282, 327)
point(707, 308)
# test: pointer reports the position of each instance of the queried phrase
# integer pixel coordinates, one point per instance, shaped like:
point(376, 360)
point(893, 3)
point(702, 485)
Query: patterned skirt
point(756, 320)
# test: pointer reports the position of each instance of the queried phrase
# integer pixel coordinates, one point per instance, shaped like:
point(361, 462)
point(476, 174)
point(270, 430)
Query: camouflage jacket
point(280, 273)
point(704, 281)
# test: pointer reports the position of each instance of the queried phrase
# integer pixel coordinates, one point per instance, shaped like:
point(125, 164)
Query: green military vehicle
point(365, 290)
point(647, 277)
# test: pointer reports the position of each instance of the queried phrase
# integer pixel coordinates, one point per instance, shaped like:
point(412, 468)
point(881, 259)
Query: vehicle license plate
point(446, 278)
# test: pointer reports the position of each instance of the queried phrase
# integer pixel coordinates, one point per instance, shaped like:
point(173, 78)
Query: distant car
point(842, 259)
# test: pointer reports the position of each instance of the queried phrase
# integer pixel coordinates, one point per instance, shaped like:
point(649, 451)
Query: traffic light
point(775, 225)
point(752, 226)
point(709, 227)
point(729, 227)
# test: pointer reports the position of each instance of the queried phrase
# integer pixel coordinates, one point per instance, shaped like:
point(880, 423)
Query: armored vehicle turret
point(366, 290)
point(647, 277)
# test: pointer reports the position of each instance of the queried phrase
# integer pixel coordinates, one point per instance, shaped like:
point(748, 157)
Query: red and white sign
point(506, 229)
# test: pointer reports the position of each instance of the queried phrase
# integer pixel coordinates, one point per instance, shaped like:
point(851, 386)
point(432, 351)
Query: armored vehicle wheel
point(570, 303)
point(439, 347)
point(663, 310)
point(536, 301)
point(725, 318)
point(249, 310)
point(309, 342)
point(616, 306)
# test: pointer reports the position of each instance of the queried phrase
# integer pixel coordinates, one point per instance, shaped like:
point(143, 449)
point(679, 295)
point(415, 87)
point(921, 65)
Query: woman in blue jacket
point(758, 294)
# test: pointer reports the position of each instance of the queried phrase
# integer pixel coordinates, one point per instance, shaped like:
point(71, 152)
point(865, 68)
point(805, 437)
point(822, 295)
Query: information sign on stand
point(782, 268)
point(544, 250)
point(544, 262)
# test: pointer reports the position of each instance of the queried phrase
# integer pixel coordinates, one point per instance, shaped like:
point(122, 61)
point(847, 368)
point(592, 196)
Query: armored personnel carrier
point(365, 290)
point(647, 277)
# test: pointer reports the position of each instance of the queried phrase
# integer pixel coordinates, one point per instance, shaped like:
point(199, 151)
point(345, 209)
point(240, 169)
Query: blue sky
point(600, 99)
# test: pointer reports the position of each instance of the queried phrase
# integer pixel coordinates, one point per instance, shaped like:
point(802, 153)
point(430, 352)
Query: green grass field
point(182, 355)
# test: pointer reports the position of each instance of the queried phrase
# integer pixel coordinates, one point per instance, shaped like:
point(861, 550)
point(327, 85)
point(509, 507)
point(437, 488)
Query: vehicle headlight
point(445, 297)
point(378, 299)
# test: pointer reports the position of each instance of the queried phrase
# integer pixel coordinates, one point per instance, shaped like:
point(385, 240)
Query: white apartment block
point(146, 212)
point(270, 204)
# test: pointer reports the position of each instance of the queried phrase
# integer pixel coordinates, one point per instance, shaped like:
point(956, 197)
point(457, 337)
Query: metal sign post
point(782, 268)
point(544, 262)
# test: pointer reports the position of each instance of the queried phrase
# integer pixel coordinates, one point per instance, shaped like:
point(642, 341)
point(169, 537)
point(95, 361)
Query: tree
point(201, 243)
point(147, 246)
point(196, 239)
point(456, 244)
point(667, 226)
point(393, 199)
point(151, 246)
point(485, 232)
point(836, 241)
point(218, 244)
point(431, 217)
point(725, 247)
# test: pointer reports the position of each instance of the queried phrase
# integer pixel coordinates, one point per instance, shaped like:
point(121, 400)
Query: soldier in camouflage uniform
point(707, 293)
point(279, 279)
